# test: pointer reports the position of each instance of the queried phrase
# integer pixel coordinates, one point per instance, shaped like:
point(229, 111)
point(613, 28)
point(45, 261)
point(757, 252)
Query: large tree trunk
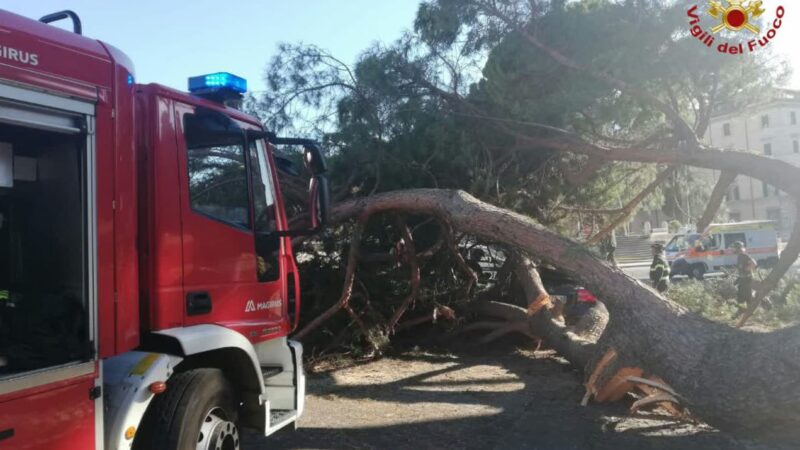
point(736, 380)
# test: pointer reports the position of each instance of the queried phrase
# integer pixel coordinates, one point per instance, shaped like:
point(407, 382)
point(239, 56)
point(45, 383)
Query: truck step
point(271, 371)
point(279, 418)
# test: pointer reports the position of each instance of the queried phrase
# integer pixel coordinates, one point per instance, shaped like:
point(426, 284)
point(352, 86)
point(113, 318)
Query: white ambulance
point(697, 254)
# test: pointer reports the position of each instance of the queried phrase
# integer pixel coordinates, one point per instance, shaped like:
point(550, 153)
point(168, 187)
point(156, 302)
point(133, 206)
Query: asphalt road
point(641, 270)
point(469, 396)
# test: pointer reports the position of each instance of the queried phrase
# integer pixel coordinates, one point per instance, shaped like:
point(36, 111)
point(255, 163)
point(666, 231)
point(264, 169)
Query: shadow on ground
point(474, 398)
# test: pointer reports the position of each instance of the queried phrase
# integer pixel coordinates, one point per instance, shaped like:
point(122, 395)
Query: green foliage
point(404, 115)
point(686, 195)
point(715, 299)
point(448, 105)
point(705, 298)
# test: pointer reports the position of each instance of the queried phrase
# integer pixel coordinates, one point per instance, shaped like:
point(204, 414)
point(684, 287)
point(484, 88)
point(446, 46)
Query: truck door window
point(678, 243)
point(710, 242)
point(217, 171)
point(267, 242)
point(43, 288)
point(731, 238)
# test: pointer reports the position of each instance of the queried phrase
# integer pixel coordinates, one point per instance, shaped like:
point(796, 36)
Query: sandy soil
point(480, 398)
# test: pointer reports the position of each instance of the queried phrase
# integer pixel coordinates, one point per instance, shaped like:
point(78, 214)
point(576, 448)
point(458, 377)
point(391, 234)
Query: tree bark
point(738, 381)
point(717, 196)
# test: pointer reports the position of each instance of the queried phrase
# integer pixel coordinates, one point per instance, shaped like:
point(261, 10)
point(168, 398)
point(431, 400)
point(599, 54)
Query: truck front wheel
point(197, 412)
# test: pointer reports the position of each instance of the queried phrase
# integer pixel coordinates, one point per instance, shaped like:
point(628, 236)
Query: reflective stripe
point(660, 264)
point(3, 295)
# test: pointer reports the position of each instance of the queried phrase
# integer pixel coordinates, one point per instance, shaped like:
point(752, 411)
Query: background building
point(772, 129)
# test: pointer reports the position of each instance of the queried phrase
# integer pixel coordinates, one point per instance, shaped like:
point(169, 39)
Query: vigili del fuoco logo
point(735, 16)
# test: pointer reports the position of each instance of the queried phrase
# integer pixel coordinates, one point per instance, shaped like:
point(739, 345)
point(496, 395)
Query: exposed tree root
point(409, 257)
point(349, 277)
point(452, 245)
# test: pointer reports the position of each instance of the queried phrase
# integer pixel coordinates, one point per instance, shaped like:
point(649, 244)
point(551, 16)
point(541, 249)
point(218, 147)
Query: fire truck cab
point(147, 281)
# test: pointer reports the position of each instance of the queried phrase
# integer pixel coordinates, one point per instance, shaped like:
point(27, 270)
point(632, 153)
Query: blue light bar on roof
point(216, 82)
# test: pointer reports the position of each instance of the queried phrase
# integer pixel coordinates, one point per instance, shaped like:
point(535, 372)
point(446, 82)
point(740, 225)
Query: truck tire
point(197, 411)
point(698, 271)
point(679, 267)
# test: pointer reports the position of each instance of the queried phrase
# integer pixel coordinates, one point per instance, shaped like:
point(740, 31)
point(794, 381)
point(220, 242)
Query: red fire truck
point(147, 281)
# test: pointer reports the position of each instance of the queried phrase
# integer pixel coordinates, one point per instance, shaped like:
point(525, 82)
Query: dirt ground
point(499, 398)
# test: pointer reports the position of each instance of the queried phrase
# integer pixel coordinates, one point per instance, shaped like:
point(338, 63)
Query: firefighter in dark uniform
point(746, 267)
point(659, 270)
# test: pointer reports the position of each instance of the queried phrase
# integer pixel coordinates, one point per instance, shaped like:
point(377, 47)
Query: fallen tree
point(736, 380)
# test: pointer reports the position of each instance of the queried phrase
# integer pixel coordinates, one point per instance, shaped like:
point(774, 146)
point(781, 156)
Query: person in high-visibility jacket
point(659, 270)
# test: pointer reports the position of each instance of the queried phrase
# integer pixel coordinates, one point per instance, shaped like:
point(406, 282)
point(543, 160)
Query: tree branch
point(630, 208)
point(347, 288)
point(413, 265)
point(717, 196)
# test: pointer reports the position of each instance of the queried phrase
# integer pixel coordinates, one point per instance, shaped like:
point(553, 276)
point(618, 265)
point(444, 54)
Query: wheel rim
point(218, 433)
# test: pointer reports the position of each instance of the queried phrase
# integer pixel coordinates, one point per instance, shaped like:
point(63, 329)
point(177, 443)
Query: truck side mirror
point(318, 189)
point(320, 201)
point(313, 158)
point(319, 196)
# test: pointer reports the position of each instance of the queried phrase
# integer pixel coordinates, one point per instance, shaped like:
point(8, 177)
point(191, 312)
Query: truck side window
point(678, 243)
point(267, 242)
point(217, 172)
point(710, 243)
point(731, 238)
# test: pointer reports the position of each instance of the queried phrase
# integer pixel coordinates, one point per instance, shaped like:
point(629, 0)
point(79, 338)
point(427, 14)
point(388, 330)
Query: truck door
point(48, 364)
point(231, 255)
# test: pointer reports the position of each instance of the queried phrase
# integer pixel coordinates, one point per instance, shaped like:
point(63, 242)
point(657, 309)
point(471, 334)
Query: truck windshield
point(43, 298)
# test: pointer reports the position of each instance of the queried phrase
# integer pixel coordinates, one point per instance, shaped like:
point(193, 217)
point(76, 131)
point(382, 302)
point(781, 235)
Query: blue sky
point(170, 40)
